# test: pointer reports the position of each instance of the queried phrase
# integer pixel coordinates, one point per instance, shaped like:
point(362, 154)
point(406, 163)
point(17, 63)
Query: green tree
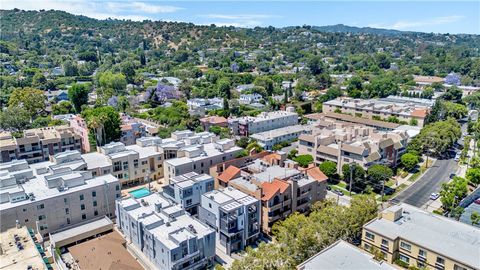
point(110, 84)
point(292, 154)
point(243, 142)
point(329, 168)
point(358, 175)
point(103, 123)
point(315, 64)
point(304, 160)
point(453, 192)
point(223, 86)
point(14, 119)
point(253, 145)
point(265, 83)
point(78, 96)
point(455, 110)
point(473, 176)
point(475, 218)
point(30, 99)
point(409, 161)
point(299, 237)
point(63, 107)
point(378, 174)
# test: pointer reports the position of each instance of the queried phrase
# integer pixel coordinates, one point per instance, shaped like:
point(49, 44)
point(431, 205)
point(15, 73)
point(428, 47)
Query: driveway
point(418, 194)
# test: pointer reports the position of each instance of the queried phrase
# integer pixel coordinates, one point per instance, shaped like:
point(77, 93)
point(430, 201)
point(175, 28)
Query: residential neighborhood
point(214, 135)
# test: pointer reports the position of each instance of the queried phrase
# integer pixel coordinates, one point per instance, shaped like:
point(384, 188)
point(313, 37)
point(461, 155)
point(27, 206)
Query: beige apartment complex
point(423, 239)
point(36, 145)
point(344, 143)
point(278, 183)
point(405, 109)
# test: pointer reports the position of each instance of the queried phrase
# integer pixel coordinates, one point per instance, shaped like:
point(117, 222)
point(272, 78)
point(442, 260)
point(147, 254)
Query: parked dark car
point(338, 192)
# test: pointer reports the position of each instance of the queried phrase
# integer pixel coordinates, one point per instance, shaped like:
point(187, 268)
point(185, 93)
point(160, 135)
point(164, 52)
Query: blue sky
point(426, 16)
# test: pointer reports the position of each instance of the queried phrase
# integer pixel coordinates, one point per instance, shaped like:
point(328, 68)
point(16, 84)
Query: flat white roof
point(80, 230)
point(343, 256)
point(452, 239)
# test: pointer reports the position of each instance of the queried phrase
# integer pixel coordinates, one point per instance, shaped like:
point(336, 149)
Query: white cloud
point(238, 20)
point(403, 25)
point(95, 9)
point(140, 7)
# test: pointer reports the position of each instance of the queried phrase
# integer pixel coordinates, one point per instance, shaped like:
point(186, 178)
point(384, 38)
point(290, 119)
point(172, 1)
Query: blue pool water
point(139, 193)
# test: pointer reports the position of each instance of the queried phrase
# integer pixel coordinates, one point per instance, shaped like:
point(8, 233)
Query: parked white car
point(434, 196)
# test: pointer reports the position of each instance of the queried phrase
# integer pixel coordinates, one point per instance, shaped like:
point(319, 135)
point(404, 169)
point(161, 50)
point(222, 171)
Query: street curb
point(409, 186)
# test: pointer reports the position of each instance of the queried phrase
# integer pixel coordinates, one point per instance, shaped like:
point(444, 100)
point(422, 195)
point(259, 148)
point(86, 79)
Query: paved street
point(342, 200)
point(419, 192)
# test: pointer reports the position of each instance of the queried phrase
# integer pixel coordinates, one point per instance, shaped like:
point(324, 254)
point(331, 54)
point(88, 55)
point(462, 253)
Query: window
point(440, 260)
point(117, 166)
point(84, 216)
point(369, 236)
point(24, 209)
point(65, 200)
point(117, 187)
point(405, 246)
point(95, 213)
point(67, 211)
point(94, 194)
point(457, 267)
point(384, 242)
point(404, 258)
point(68, 221)
point(82, 206)
point(422, 253)
point(94, 203)
point(367, 246)
point(41, 217)
point(41, 206)
point(26, 220)
point(117, 196)
point(135, 163)
point(82, 197)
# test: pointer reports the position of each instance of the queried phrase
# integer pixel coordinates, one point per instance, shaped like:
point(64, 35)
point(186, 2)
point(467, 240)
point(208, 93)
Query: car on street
point(457, 158)
point(477, 201)
point(338, 192)
point(434, 196)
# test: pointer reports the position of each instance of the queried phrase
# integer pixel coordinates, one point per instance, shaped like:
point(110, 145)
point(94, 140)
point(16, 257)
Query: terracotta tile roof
point(230, 173)
point(273, 156)
point(269, 189)
point(419, 113)
point(214, 120)
point(317, 174)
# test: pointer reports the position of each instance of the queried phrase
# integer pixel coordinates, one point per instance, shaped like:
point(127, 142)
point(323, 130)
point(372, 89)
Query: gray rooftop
point(452, 239)
point(343, 256)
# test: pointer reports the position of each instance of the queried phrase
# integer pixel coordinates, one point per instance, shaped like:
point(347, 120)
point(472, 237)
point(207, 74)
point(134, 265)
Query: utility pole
point(352, 166)
point(383, 189)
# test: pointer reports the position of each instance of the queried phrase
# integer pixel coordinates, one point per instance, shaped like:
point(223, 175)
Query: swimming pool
point(139, 193)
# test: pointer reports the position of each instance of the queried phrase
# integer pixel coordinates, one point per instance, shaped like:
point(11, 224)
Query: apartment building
point(79, 126)
point(340, 117)
point(187, 189)
point(132, 165)
point(403, 108)
point(200, 157)
point(423, 239)
point(265, 121)
point(48, 197)
point(342, 255)
point(36, 145)
point(345, 143)
point(131, 130)
point(279, 184)
point(165, 233)
point(268, 139)
point(234, 215)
